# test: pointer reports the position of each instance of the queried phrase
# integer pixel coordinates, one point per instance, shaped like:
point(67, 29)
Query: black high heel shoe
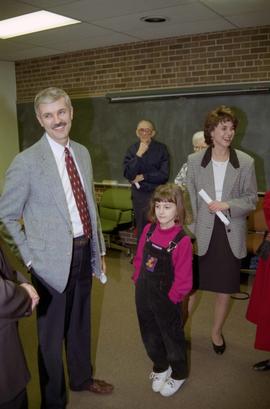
point(219, 349)
point(262, 366)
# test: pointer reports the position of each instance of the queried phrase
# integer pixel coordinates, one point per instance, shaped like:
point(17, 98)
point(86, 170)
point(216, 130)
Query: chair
point(256, 227)
point(116, 213)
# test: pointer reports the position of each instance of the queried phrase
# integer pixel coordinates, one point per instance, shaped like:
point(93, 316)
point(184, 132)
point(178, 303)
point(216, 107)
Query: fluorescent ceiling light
point(33, 22)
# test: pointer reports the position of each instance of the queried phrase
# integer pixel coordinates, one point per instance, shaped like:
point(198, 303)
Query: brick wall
point(232, 56)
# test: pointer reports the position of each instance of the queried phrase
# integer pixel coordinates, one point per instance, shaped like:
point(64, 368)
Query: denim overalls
point(159, 318)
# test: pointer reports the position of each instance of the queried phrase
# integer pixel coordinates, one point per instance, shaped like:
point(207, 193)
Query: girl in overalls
point(163, 276)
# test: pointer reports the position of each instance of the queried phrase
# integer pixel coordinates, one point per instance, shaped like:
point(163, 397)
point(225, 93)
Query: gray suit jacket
point(33, 192)
point(239, 191)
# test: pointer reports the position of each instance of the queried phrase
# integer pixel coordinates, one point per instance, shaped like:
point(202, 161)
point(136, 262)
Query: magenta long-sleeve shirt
point(181, 258)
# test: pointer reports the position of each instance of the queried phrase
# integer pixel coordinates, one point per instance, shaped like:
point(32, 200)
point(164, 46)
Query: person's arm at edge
point(14, 300)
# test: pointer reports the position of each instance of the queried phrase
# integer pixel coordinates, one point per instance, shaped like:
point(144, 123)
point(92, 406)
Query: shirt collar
point(233, 159)
point(57, 148)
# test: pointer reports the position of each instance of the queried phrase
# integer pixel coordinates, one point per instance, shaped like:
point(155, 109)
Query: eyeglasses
point(198, 148)
point(145, 130)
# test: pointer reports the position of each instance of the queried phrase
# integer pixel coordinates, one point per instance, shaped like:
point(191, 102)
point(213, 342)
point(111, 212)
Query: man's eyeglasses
point(145, 130)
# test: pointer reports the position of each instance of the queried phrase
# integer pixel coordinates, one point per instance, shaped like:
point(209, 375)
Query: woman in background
point(258, 310)
point(227, 175)
point(198, 143)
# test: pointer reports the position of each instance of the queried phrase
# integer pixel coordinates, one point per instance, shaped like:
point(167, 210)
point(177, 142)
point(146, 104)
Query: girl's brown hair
point(168, 193)
point(220, 114)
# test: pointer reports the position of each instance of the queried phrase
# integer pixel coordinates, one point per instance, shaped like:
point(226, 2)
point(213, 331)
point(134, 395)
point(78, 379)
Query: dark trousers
point(65, 317)
point(20, 402)
point(161, 328)
point(140, 201)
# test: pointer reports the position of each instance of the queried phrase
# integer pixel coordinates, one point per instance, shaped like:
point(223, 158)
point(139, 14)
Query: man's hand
point(143, 147)
point(138, 179)
point(32, 294)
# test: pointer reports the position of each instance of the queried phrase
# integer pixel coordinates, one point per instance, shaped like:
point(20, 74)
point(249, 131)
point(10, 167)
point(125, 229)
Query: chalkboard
point(108, 129)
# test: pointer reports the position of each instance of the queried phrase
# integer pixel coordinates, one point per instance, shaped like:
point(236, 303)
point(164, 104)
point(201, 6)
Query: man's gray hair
point(51, 94)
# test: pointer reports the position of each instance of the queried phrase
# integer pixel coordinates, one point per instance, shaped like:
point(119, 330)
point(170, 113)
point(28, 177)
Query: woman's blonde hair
point(168, 193)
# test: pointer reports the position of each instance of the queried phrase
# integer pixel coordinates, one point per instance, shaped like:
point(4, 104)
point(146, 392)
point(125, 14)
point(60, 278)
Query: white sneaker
point(159, 379)
point(171, 386)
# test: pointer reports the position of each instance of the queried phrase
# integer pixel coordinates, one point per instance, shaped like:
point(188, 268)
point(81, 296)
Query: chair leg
point(119, 247)
point(111, 245)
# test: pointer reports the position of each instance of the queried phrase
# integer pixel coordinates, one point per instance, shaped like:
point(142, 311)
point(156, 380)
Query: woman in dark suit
point(146, 166)
point(228, 177)
point(18, 298)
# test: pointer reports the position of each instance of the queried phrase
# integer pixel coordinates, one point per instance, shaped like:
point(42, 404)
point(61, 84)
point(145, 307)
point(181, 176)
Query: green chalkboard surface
point(107, 129)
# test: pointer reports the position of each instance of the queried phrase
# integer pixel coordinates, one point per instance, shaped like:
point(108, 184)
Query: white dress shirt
point(59, 155)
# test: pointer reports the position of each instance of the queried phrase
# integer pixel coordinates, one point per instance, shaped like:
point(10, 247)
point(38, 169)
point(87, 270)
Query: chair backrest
point(256, 220)
point(256, 226)
point(116, 205)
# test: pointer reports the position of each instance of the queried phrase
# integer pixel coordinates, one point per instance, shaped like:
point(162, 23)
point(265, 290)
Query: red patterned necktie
point(79, 193)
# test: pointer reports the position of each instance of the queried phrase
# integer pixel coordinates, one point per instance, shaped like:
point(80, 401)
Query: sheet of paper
point(208, 199)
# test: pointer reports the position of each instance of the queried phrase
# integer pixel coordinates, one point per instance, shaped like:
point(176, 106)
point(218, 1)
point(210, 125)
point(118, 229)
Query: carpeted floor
point(215, 382)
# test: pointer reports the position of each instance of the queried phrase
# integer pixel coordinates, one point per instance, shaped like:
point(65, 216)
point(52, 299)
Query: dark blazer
point(14, 304)
point(153, 165)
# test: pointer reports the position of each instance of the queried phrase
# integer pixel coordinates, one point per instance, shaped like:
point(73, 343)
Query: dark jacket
point(153, 165)
point(14, 304)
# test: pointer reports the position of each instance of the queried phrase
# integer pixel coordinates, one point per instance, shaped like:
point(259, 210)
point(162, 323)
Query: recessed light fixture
point(32, 23)
point(154, 19)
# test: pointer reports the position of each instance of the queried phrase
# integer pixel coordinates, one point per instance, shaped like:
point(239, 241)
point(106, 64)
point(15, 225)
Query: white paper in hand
point(208, 199)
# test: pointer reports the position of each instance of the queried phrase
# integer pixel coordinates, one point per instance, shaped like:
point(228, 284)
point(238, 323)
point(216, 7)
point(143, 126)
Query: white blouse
point(219, 169)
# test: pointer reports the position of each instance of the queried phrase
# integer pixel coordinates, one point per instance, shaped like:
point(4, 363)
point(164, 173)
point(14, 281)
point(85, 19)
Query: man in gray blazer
point(50, 187)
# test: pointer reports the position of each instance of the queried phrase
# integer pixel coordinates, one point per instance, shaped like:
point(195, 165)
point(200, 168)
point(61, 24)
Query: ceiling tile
point(99, 9)
point(251, 19)
point(12, 8)
point(234, 7)
point(62, 34)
